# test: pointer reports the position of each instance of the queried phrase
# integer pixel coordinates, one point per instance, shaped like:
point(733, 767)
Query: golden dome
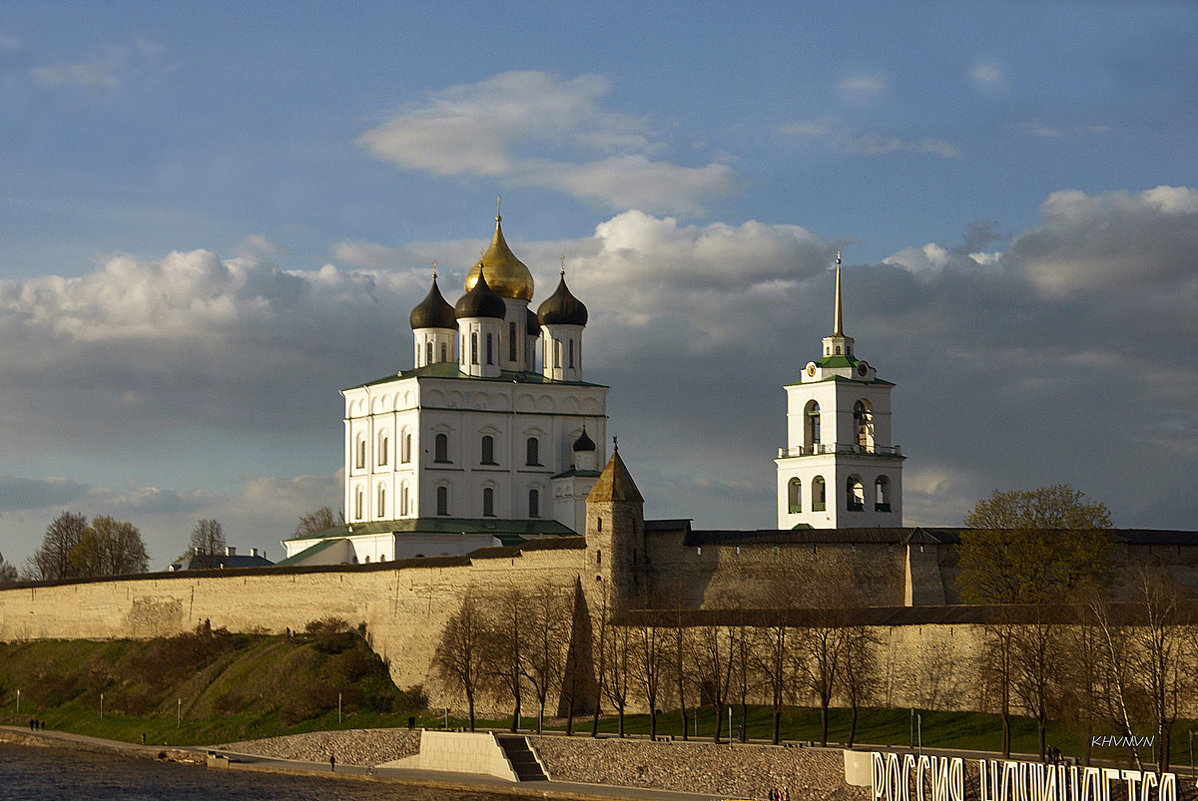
point(506, 275)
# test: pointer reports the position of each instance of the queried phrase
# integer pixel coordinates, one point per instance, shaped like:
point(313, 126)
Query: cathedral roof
point(562, 308)
point(507, 275)
point(615, 483)
point(433, 312)
point(584, 442)
point(480, 301)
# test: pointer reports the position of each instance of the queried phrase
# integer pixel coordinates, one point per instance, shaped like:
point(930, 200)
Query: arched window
point(442, 500)
point(382, 510)
point(571, 353)
point(384, 441)
point(490, 350)
point(512, 344)
point(488, 502)
point(358, 504)
point(441, 448)
point(533, 449)
point(854, 494)
point(557, 353)
point(534, 503)
point(403, 500)
point(882, 494)
point(488, 456)
point(819, 495)
point(811, 426)
point(405, 448)
point(474, 347)
point(794, 492)
point(361, 453)
point(444, 351)
point(863, 423)
point(428, 352)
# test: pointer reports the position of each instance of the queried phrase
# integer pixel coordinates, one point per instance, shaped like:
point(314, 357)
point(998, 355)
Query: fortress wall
point(720, 576)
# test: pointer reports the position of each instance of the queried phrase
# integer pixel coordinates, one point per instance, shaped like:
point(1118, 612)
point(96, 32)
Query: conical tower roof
point(615, 482)
point(480, 301)
point(433, 312)
point(507, 276)
point(562, 308)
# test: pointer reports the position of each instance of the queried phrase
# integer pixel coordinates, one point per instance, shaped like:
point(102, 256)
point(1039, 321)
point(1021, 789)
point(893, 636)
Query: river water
point(52, 774)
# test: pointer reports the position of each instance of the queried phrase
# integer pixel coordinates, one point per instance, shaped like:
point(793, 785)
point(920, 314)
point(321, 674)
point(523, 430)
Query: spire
point(615, 482)
point(838, 321)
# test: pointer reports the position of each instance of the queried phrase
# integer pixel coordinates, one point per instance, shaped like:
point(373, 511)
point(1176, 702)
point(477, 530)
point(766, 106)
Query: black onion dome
point(584, 442)
point(532, 325)
point(562, 308)
point(433, 311)
point(480, 302)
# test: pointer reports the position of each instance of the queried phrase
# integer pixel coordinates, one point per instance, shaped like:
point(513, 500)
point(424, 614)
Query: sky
point(215, 216)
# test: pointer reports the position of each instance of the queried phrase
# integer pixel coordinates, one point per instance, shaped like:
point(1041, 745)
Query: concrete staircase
point(524, 762)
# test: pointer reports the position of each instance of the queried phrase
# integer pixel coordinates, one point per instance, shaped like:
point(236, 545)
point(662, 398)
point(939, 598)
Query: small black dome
point(562, 308)
point(533, 326)
point(433, 311)
point(480, 302)
point(583, 443)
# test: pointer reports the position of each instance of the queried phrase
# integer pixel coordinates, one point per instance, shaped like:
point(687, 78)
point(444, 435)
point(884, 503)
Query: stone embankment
point(743, 771)
point(352, 747)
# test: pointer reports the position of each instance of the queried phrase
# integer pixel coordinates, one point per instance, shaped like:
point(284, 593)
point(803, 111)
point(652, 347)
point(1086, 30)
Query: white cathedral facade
point(839, 468)
point(474, 446)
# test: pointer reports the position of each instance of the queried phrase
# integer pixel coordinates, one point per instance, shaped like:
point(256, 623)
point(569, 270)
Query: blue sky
point(214, 216)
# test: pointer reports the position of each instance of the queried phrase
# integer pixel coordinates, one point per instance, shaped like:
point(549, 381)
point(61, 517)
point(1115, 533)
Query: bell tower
point(839, 468)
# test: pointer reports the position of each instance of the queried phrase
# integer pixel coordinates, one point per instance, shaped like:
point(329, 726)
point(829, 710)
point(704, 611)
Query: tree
point(8, 572)
point(109, 547)
point(506, 640)
point(549, 636)
point(648, 647)
point(207, 541)
point(460, 659)
point(859, 674)
point(319, 520)
point(52, 561)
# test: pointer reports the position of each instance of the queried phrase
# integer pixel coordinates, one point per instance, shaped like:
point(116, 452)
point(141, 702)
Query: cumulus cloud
point(533, 129)
point(106, 72)
point(838, 137)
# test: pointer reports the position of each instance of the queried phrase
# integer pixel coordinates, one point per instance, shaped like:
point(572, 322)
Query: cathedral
point(474, 446)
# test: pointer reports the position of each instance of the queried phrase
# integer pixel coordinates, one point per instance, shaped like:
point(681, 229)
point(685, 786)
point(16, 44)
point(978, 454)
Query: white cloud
point(839, 138)
point(986, 74)
point(535, 130)
point(106, 72)
point(1037, 128)
point(864, 84)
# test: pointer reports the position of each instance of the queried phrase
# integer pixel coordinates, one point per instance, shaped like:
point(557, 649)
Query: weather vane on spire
point(838, 325)
point(434, 269)
point(498, 206)
point(563, 270)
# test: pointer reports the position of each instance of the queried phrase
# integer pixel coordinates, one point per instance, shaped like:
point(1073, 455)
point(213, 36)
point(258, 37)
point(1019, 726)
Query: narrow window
point(442, 500)
point(598, 557)
point(811, 427)
point(406, 452)
point(571, 353)
point(474, 348)
point(490, 351)
point(441, 448)
point(382, 501)
point(795, 495)
point(854, 494)
point(599, 524)
point(864, 425)
point(361, 453)
point(488, 450)
point(882, 494)
point(534, 503)
point(819, 498)
point(533, 452)
point(384, 441)
point(358, 504)
point(488, 502)
point(512, 355)
point(428, 353)
point(403, 500)
point(444, 352)
point(557, 353)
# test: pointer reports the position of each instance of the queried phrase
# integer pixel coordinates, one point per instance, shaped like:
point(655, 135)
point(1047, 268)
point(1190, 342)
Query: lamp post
point(338, 709)
point(179, 714)
point(19, 712)
point(101, 706)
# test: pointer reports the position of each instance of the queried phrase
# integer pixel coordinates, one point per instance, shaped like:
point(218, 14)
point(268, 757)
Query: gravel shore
point(352, 747)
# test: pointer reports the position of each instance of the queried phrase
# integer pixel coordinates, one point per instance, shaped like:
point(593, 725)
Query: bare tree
point(549, 632)
point(821, 649)
point(109, 547)
point(647, 668)
point(507, 637)
point(618, 668)
point(319, 520)
point(774, 661)
point(712, 650)
point(460, 658)
point(676, 651)
point(207, 541)
point(52, 561)
point(859, 672)
point(8, 572)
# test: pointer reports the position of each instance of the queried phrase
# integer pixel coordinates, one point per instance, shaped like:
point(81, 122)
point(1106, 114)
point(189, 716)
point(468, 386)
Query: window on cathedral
point(444, 352)
point(442, 500)
point(557, 354)
point(533, 452)
point(488, 502)
point(405, 448)
point(570, 361)
point(382, 510)
point(358, 504)
point(512, 343)
point(488, 448)
point(428, 352)
point(794, 491)
point(534, 503)
point(490, 350)
point(863, 422)
point(811, 426)
point(599, 524)
point(361, 454)
point(403, 500)
point(441, 448)
point(819, 496)
point(598, 557)
point(474, 348)
point(384, 441)
point(882, 494)
point(854, 494)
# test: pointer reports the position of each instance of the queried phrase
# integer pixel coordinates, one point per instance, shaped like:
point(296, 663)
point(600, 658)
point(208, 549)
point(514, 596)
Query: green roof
point(450, 370)
point(575, 473)
point(446, 525)
point(837, 361)
point(304, 554)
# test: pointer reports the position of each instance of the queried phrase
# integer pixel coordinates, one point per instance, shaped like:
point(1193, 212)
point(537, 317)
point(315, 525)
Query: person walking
point(332, 761)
